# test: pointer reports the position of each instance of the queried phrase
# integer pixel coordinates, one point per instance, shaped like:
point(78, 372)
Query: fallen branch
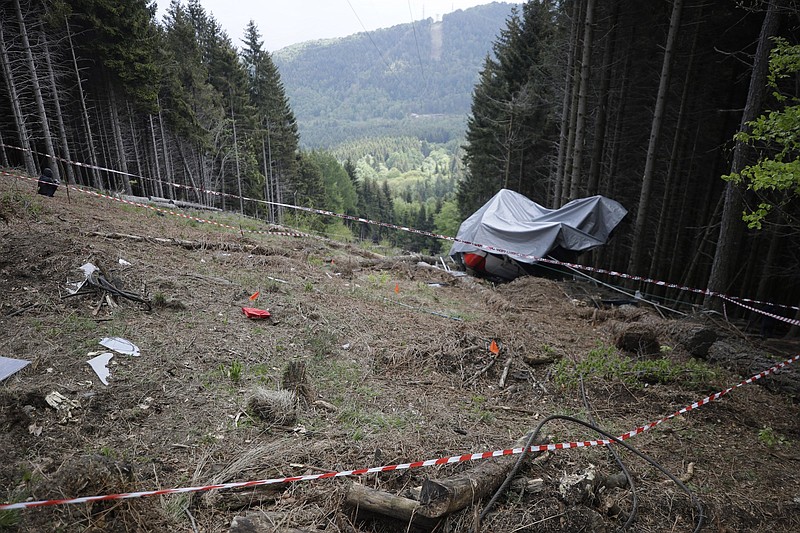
point(482, 371)
point(506, 367)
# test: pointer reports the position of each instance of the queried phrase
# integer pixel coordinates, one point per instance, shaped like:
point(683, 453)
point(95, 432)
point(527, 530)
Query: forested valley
point(649, 103)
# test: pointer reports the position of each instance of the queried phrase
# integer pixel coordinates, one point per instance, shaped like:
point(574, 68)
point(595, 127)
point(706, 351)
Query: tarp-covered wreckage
point(511, 222)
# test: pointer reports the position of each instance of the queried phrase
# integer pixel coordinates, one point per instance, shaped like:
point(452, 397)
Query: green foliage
point(448, 219)
point(9, 519)
point(605, 362)
point(321, 343)
point(770, 437)
point(777, 134)
point(234, 372)
point(339, 191)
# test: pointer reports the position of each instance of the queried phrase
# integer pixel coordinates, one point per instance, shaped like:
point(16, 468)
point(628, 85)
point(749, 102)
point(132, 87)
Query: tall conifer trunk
point(37, 92)
point(157, 189)
point(118, 140)
point(583, 96)
point(732, 226)
point(565, 110)
point(643, 210)
point(62, 131)
point(19, 116)
point(97, 180)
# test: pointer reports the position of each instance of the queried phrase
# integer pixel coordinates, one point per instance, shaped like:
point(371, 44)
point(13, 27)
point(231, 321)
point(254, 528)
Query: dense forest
point(642, 102)
point(169, 110)
point(685, 112)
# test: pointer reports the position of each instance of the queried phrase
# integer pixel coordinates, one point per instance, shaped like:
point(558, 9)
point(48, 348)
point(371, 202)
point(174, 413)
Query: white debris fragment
point(123, 262)
point(120, 345)
point(62, 404)
point(9, 366)
point(100, 365)
point(88, 269)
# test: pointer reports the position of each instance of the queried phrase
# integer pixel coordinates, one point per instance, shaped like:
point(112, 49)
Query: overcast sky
point(285, 22)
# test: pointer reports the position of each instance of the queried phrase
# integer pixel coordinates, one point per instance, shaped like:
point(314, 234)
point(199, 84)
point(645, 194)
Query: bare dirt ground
point(386, 381)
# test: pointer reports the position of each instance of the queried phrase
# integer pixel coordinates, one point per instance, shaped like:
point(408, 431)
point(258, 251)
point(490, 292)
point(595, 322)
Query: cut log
point(640, 339)
point(377, 501)
point(696, 338)
point(747, 360)
point(442, 497)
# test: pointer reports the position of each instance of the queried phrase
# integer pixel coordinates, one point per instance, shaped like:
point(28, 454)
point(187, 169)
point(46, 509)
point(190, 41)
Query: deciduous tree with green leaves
point(775, 176)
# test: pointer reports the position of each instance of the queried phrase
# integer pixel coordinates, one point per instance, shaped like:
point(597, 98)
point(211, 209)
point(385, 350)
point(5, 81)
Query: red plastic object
point(252, 312)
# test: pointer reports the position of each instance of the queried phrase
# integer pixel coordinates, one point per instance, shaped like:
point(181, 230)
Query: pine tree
point(276, 121)
point(511, 130)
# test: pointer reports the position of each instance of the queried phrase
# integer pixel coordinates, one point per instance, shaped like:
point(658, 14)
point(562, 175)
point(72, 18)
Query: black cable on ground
point(535, 433)
point(102, 283)
point(618, 459)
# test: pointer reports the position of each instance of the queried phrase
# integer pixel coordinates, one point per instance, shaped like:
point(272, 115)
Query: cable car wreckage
point(512, 222)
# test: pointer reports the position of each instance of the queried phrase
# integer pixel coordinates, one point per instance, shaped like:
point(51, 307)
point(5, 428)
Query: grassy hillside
point(410, 79)
point(366, 361)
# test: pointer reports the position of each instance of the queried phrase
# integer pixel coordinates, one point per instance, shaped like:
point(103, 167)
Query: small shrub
point(770, 437)
point(607, 363)
point(159, 300)
point(236, 370)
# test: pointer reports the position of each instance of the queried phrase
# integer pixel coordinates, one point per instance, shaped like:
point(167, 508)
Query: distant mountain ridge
point(414, 79)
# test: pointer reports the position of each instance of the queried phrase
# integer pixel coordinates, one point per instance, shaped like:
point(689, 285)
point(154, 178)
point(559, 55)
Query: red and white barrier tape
point(161, 210)
point(740, 303)
point(612, 273)
point(401, 466)
point(488, 248)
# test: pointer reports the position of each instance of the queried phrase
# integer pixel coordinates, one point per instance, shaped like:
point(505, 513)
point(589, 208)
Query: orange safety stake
point(397, 288)
point(254, 296)
point(494, 348)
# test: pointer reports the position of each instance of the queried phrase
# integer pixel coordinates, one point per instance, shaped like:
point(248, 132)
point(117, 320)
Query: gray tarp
point(512, 222)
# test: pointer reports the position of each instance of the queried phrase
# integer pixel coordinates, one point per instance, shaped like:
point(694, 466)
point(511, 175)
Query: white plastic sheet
point(9, 366)
point(100, 366)
point(120, 345)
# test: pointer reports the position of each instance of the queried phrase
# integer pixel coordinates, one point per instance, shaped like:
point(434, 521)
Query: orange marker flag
point(494, 348)
point(254, 296)
point(397, 288)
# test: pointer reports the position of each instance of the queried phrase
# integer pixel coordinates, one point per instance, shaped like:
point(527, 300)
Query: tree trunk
point(573, 117)
point(62, 131)
point(762, 292)
point(376, 501)
point(97, 181)
point(643, 210)
point(732, 226)
point(3, 154)
point(137, 157)
point(167, 159)
point(118, 140)
point(583, 96)
point(565, 110)
point(158, 190)
point(19, 116)
point(664, 227)
point(267, 157)
point(236, 155)
point(622, 99)
point(37, 93)
point(595, 166)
